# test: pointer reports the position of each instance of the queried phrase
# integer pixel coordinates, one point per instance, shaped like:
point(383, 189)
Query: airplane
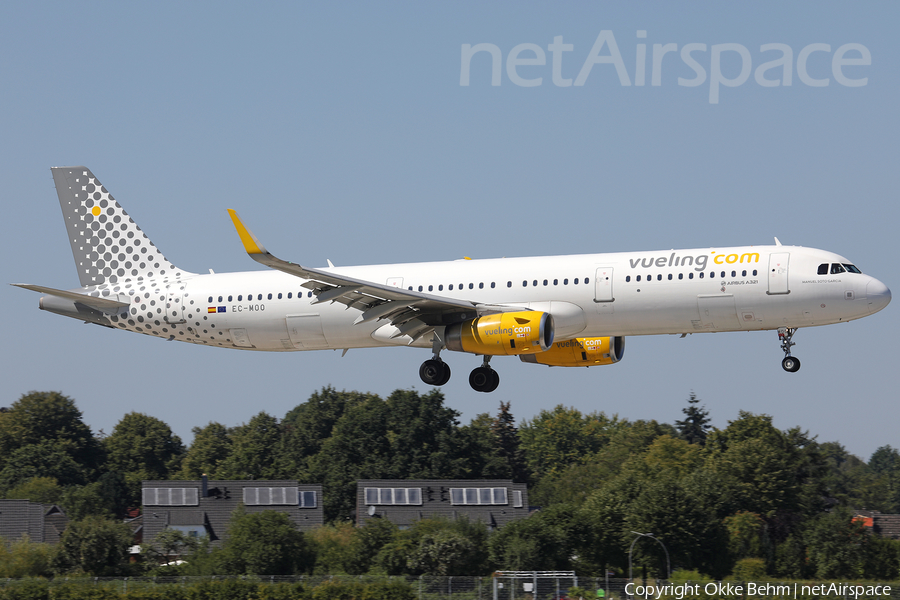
point(564, 311)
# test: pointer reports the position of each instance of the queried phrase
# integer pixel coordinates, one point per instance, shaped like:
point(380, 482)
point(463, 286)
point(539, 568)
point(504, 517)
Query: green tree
point(264, 543)
point(444, 547)
point(835, 545)
point(509, 444)
point(43, 459)
point(558, 438)
point(45, 490)
point(48, 418)
point(253, 450)
point(696, 423)
point(210, 448)
point(24, 558)
point(142, 447)
point(93, 546)
point(531, 544)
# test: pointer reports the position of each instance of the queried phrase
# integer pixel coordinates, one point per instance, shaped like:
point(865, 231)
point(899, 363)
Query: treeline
point(748, 500)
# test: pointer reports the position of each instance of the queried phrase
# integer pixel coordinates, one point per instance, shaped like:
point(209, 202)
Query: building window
point(478, 496)
point(307, 499)
point(268, 496)
point(517, 498)
point(394, 496)
point(171, 497)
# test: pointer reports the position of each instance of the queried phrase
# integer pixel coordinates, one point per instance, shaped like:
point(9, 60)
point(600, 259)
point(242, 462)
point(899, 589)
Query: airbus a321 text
point(564, 311)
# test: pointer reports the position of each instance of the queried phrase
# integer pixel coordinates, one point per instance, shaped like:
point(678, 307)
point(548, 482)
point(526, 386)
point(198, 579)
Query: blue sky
point(341, 132)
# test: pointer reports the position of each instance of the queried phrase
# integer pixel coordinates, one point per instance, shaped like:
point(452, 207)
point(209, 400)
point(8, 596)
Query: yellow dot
point(96, 210)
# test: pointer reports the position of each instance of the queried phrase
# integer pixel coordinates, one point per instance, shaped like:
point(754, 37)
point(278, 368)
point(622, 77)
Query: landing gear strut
point(435, 371)
point(790, 363)
point(484, 378)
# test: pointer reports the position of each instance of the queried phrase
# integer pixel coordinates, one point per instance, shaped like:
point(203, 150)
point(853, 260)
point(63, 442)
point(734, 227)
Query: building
point(42, 523)
point(202, 507)
point(495, 502)
point(887, 526)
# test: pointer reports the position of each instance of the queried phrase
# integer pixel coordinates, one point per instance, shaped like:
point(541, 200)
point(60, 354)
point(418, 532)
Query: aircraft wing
point(412, 313)
point(106, 305)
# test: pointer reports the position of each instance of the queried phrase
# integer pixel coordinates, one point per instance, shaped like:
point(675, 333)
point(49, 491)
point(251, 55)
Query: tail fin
point(107, 244)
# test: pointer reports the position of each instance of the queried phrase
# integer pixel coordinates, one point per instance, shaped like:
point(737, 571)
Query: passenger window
point(524, 284)
point(701, 274)
point(240, 297)
point(471, 286)
point(587, 280)
point(627, 278)
point(220, 298)
point(420, 288)
point(481, 286)
point(290, 295)
point(430, 288)
point(556, 282)
point(279, 295)
point(836, 268)
point(743, 273)
point(545, 282)
point(734, 273)
point(670, 277)
point(210, 299)
point(754, 272)
point(441, 288)
point(659, 277)
point(493, 285)
point(259, 296)
point(690, 275)
point(723, 274)
point(451, 287)
point(229, 298)
point(576, 281)
point(823, 269)
point(534, 283)
point(270, 296)
point(309, 294)
point(509, 284)
point(566, 281)
point(638, 278)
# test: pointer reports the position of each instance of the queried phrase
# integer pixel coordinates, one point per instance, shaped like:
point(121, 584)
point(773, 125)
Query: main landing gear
point(435, 371)
point(790, 363)
point(484, 378)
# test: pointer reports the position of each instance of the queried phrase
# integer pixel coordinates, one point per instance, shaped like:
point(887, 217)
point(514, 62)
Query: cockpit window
point(823, 269)
point(852, 268)
point(836, 268)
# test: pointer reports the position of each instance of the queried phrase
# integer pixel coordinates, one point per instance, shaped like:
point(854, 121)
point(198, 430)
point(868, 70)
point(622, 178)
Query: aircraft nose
point(878, 295)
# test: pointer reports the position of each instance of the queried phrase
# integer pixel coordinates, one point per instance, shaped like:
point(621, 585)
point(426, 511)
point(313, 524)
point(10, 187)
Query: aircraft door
point(603, 285)
point(175, 303)
point(718, 313)
point(778, 273)
point(306, 332)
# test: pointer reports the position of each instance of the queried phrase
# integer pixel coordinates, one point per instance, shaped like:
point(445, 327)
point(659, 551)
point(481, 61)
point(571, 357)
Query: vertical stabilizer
point(107, 244)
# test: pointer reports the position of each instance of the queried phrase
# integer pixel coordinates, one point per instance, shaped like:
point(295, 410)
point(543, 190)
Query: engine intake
point(512, 333)
point(581, 352)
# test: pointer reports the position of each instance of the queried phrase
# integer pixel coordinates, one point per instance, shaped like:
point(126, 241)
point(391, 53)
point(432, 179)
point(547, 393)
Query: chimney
point(203, 486)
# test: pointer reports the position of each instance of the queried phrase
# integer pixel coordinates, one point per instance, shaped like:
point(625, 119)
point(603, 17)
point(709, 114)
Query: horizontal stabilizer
point(106, 305)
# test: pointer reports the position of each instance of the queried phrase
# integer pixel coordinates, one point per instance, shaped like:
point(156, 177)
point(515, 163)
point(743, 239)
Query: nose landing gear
point(790, 363)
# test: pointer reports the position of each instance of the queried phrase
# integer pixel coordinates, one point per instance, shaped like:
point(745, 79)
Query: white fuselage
point(592, 295)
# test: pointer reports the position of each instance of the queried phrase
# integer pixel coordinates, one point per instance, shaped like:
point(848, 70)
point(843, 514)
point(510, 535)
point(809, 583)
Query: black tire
point(790, 364)
point(480, 378)
point(432, 372)
point(445, 377)
point(495, 381)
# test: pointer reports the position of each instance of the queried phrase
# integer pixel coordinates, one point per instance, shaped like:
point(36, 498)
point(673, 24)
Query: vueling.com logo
point(699, 262)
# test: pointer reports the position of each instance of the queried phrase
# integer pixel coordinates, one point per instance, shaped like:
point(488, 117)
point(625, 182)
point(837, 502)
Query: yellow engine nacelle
point(509, 333)
point(581, 352)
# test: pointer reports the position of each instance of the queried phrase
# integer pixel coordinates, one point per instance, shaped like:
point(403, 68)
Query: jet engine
point(511, 333)
point(580, 352)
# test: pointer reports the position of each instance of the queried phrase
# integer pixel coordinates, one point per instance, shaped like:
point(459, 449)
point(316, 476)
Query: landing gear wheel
point(790, 364)
point(484, 379)
point(434, 372)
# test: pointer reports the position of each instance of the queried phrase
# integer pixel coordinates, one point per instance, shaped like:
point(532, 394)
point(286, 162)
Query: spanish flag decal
point(211, 309)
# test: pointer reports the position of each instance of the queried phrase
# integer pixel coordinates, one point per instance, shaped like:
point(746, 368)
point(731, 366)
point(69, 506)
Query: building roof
point(43, 523)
